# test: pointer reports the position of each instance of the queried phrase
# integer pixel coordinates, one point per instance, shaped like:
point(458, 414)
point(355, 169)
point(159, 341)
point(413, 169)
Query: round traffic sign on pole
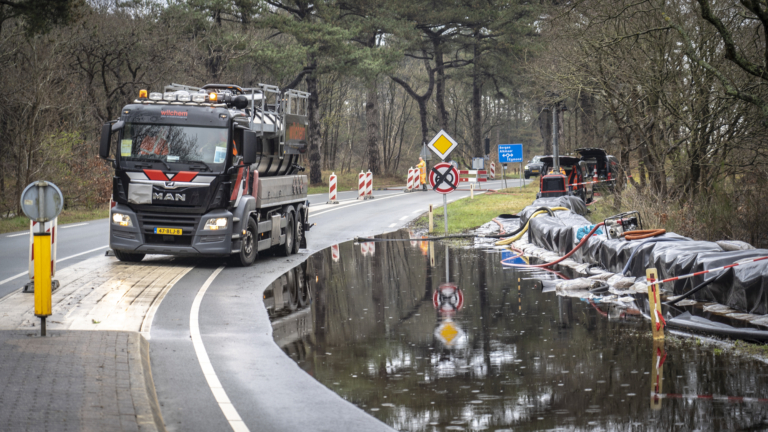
point(444, 178)
point(42, 201)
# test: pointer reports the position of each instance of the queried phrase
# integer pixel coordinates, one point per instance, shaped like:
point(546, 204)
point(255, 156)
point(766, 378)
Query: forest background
point(675, 89)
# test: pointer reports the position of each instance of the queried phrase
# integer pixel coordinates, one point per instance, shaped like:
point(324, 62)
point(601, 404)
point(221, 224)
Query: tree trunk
point(477, 126)
point(442, 113)
point(313, 108)
point(372, 120)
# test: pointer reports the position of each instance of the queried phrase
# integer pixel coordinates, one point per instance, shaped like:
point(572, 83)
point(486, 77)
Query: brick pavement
point(76, 381)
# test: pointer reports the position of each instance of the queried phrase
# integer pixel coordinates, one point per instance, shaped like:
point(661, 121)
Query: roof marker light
point(212, 96)
point(199, 98)
point(183, 98)
point(169, 97)
point(142, 94)
point(156, 96)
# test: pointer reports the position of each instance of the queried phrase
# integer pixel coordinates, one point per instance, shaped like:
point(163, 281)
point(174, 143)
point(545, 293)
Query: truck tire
point(290, 236)
point(299, 239)
point(249, 249)
point(128, 257)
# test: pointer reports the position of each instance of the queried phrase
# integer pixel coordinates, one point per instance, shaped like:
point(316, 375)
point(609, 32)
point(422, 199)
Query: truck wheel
point(287, 248)
point(249, 249)
point(128, 257)
point(299, 235)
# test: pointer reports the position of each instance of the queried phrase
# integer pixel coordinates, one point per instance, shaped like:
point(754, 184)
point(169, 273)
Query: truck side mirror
point(106, 134)
point(250, 150)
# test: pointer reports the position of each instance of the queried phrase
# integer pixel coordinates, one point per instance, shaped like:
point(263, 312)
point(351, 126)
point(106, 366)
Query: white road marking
point(72, 226)
point(418, 211)
point(58, 261)
point(226, 406)
point(81, 253)
point(404, 217)
point(359, 203)
point(393, 225)
point(19, 234)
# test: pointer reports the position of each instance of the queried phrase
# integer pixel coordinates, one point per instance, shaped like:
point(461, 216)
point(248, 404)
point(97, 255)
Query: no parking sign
point(444, 178)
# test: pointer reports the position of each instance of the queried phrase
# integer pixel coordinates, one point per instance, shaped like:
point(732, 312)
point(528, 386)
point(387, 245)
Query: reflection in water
point(491, 351)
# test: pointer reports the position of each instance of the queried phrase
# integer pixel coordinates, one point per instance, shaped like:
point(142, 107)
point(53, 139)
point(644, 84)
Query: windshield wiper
point(138, 165)
point(205, 165)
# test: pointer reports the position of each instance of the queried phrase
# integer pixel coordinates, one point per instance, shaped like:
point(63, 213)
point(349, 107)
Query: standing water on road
point(488, 350)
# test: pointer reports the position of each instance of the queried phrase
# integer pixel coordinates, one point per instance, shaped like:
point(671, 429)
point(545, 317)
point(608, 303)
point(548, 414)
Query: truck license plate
point(168, 231)
point(535, 171)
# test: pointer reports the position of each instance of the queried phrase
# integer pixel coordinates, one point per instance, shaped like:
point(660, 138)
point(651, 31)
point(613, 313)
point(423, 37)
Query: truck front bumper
point(138, 238)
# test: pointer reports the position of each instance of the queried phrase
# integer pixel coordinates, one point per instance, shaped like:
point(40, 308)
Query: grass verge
point(348, 181)
point(21, 223)
point(466, 214)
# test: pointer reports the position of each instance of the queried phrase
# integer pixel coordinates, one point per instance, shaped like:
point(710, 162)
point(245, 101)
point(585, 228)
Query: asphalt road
point(211, 347)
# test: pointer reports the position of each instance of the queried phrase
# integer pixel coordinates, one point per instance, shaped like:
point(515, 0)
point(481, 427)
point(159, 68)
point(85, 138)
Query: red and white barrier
point(361, 185)
point(335, 254)
point(479, 176)
point(412, 173)
point(368, 248)
point(492, 176)
point(369, 185)
point(672, 279)
point(50, 227)
point(332, 190)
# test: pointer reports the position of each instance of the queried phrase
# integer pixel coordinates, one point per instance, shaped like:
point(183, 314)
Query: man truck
point(208, 171)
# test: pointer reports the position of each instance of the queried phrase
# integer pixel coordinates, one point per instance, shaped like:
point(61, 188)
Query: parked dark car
point(577, 178)
point(533, 167)
point(607, 166)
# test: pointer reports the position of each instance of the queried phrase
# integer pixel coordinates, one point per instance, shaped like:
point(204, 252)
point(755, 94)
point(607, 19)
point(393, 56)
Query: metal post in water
point(447, 266)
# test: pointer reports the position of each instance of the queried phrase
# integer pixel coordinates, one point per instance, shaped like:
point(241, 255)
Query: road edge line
point(229, 411)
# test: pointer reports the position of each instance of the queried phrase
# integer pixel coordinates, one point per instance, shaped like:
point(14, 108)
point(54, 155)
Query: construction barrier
point(412, 175)
point(479, 176)
point(492, 176)
point(368, 248)
point(332, 190)
point(369, 185)
point(361, 185)
point(50, 227)
point(335, 254)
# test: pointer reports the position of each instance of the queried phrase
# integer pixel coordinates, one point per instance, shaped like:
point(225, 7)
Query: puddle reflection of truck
point(288, 301)
point(208, 171)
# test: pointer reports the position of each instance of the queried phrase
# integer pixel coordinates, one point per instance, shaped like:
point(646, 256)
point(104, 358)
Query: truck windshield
point(174, 144)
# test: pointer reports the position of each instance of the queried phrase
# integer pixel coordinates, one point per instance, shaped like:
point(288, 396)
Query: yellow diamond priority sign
point(442, 144)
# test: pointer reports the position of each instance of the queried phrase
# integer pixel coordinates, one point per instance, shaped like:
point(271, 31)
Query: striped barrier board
point(369, 185)
point(361, 185)
point(332, 190)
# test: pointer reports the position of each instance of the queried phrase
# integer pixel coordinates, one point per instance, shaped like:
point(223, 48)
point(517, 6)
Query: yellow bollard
point(654, 302)
point(42, 249)
point(431, 226)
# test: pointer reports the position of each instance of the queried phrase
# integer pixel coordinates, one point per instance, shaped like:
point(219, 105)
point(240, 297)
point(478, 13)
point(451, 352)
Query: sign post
point(512, 153)
point(442, 145)
point(42, 202)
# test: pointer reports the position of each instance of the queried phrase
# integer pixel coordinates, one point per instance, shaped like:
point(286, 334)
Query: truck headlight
point(526, 167)
point(215, 224)
point(121, 219)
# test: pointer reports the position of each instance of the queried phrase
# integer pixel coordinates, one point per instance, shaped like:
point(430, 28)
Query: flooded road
point(488, 350)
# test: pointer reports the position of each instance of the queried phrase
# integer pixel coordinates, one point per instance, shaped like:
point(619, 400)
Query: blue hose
point(625, 271)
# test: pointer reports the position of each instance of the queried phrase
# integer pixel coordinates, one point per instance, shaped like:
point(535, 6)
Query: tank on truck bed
point(212, 170)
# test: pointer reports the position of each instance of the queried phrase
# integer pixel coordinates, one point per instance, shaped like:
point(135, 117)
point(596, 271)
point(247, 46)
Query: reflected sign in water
point(511, 357)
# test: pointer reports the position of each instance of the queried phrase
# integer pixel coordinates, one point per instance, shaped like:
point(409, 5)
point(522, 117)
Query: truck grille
point(187, 223)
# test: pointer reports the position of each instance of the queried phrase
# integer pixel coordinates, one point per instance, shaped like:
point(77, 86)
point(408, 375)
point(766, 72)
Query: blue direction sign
point(509, 153)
